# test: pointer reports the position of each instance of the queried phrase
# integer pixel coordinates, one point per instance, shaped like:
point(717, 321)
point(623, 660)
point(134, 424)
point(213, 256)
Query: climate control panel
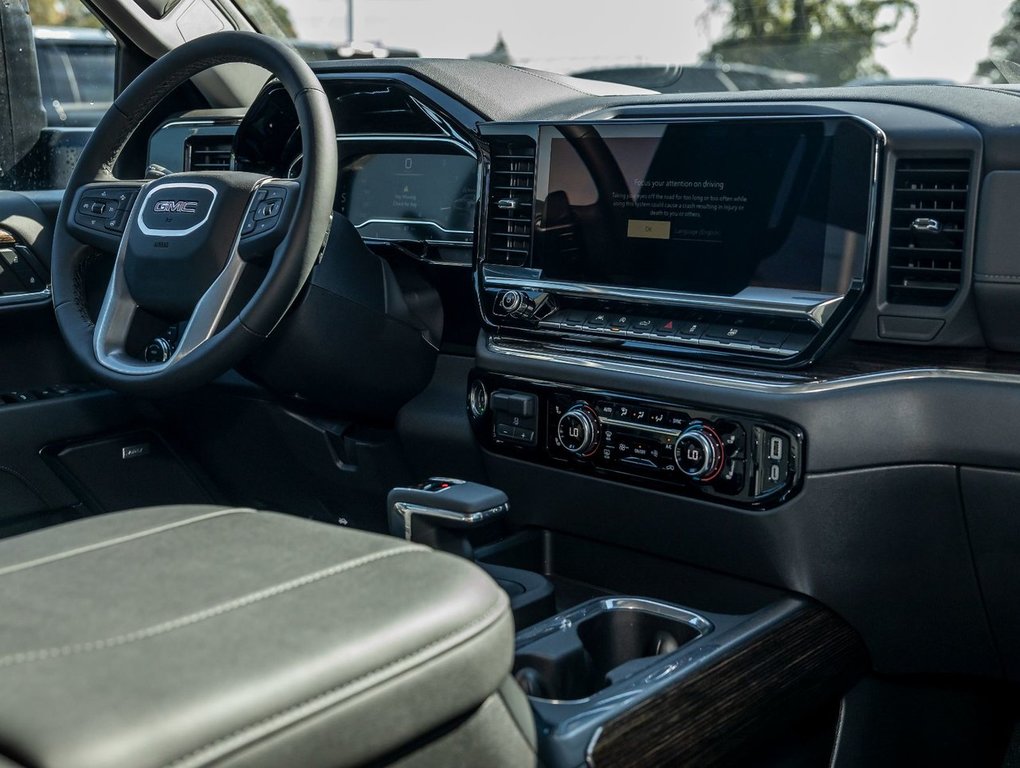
point(735, 458)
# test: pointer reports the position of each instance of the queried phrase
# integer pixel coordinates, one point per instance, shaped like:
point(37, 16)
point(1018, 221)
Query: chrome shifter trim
point(409, 511)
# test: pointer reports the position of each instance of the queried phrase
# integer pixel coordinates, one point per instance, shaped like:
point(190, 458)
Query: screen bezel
point(817, 304)
point(353, 147)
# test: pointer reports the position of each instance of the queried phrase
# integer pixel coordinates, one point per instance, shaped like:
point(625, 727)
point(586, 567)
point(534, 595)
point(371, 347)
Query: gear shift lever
point(442, 512)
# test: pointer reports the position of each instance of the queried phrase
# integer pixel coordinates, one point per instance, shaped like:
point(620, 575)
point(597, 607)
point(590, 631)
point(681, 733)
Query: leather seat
point(198, 636)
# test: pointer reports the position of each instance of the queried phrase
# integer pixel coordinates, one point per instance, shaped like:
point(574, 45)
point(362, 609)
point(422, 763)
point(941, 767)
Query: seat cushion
point(190, 636)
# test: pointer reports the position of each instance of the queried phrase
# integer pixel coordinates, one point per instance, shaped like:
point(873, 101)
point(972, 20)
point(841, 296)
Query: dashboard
point(784, 321)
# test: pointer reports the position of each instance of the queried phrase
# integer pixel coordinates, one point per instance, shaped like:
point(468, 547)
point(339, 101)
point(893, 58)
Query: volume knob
point(578, 430)
point(514, 303)
point(699, 452)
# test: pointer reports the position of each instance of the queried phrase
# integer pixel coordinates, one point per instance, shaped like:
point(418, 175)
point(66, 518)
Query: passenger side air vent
point(511, 200)
point(926, 243)
point(208, 153)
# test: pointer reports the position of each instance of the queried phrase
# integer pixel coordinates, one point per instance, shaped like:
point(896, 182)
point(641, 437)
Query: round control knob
point(515, 303)
point(158, 351)
point(578, 430)
point(699, 452)
point(478, 399)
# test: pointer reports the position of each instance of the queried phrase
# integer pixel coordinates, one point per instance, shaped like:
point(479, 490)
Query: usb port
point(776, 448)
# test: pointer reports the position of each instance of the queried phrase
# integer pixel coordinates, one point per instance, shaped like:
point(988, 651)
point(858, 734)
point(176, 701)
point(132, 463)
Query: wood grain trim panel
point(806, 659)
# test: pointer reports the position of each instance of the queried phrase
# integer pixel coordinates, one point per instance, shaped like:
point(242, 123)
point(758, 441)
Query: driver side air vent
point(511, 199)
point(208, 153)
point(927, 236)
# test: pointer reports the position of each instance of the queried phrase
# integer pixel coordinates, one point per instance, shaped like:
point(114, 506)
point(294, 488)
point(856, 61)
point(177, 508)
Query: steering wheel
point(218, 255)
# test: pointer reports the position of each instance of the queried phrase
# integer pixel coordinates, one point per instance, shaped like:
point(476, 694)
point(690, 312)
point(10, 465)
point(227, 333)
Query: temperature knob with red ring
point(578, 430)
point(699, 452)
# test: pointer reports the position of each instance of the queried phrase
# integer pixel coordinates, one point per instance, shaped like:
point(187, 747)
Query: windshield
point(673, 45)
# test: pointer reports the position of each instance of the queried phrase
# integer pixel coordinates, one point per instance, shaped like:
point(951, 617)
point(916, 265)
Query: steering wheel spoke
point(266, 216)
point(100, 212)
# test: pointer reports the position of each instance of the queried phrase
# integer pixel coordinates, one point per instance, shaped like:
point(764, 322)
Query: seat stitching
point(83, 550)
point(333, 696)
point(44, 654)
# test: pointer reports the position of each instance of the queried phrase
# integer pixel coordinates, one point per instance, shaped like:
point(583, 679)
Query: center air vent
point(511, 200)
point(929, 220)
point(208, 153)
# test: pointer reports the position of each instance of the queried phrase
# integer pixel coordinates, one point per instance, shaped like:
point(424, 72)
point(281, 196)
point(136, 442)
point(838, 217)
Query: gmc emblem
point(176, 206)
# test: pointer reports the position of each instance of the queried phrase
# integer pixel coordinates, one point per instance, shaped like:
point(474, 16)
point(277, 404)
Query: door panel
point(45, 397)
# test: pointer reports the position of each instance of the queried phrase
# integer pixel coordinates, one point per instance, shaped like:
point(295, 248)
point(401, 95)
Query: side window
point(76, 74)
point(75, 67)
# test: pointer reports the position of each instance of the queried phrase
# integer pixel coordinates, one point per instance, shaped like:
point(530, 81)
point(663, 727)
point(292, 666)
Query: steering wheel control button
point(158, 351)
point(105, 209)
point(267, 209)
point(261, 230)
point(115, 222)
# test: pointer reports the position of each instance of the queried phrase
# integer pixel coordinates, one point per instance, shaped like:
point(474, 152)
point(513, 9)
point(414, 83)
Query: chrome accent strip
point(788, 303)
point(409, 511)
point(569, 619)
point(177, 123)
point(25, 297)
point(589, 751)
point(171, 232)
point(418, 222)
point(749, 384)
point(573, 616)
point(411, 138)
point(838, 740)
point(641, 427)
point(580, 331)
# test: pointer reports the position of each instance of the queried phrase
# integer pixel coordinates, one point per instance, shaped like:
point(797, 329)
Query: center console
point(738, 238)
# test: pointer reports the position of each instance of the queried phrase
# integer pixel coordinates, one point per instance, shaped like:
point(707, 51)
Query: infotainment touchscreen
point(706, 206)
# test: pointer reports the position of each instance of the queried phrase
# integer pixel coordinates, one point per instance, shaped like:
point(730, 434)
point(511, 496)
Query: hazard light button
point(666, 327)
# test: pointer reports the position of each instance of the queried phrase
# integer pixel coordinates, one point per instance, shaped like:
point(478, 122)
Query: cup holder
point(575, 655)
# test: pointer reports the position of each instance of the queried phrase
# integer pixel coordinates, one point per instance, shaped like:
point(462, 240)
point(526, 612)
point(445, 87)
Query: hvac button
point(731, 479)
point(642, 325)
point(736, 333)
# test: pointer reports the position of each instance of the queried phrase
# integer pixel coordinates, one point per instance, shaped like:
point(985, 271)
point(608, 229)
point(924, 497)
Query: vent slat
point(512, 184)
point(209, 153)
point(927, 232)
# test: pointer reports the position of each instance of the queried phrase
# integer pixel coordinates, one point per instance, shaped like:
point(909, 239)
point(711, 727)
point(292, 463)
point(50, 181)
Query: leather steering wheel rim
point(293, 258)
